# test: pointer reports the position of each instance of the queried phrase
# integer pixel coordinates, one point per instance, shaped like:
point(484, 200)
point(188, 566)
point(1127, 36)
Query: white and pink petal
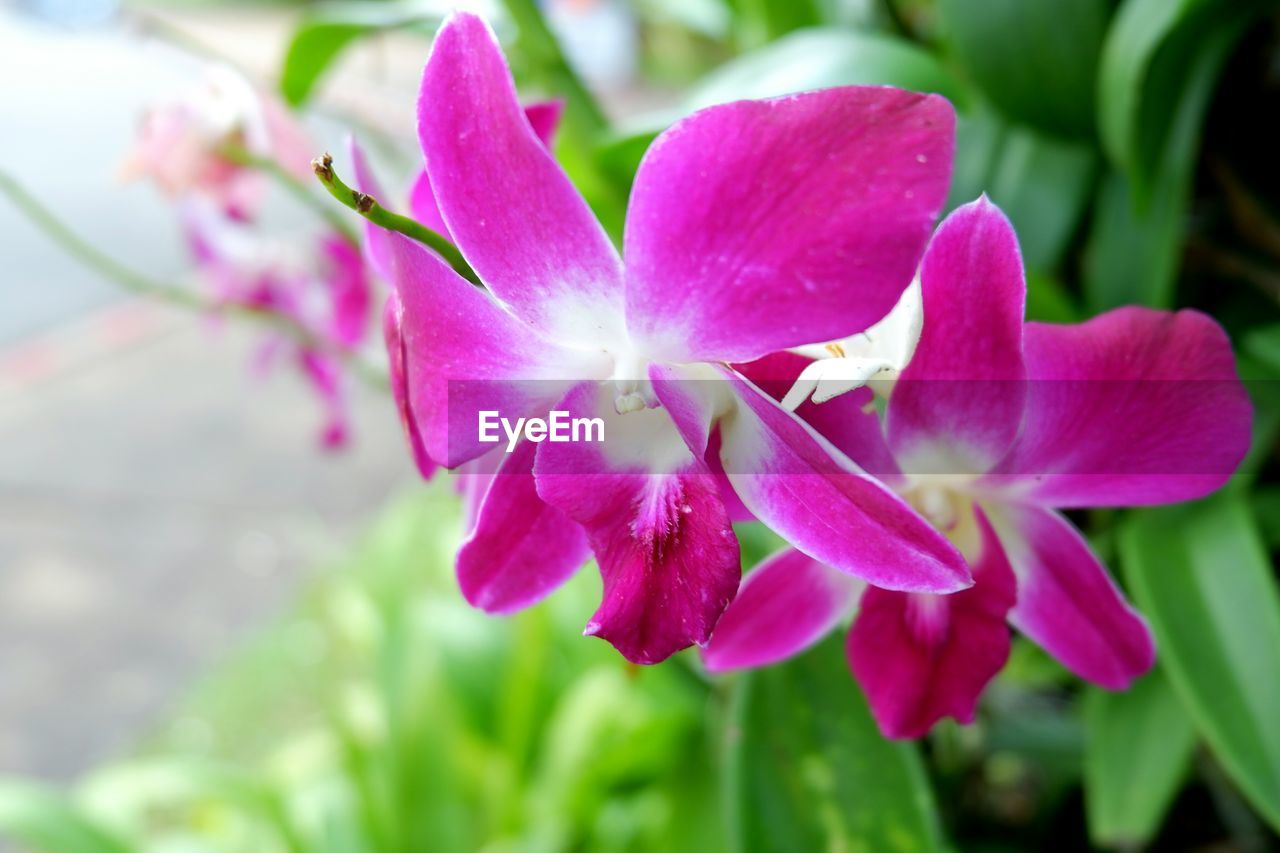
point(785, 605)
point(511, 209)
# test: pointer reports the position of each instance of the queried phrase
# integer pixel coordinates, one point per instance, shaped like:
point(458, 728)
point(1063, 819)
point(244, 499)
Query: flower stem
point(240, 155)
point(89, 255)
point(368, 207)
point(142, 285)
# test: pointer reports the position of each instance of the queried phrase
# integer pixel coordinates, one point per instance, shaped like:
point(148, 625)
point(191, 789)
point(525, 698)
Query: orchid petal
point(350, 291)
point(849, 421)
point(397, 364)
point(691, 396)
point(520, 548)
point(817, 499)
point(760, 225)
point(544, 118)
point(513, 212)
point(1067, 602)
point(463, 353)
point(667, 553)
point(787, 603)
point(957, 406)
point(1133, 407)
point(377, 245)
point(920, 658)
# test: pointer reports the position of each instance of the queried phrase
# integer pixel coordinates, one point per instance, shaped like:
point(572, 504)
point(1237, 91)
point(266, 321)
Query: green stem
point(90, 256)
point(242, 156)
point(142, 285)
point(368, 207)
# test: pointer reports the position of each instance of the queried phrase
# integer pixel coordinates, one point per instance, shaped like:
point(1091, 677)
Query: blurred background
point(221, 631)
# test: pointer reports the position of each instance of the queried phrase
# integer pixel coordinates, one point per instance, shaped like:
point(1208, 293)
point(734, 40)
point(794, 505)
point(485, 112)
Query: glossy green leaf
point(1202, 578)
point(808, 769)
point(1132, 258)
point(1035, 59)
point(1264, 345)
point(1044, 186)
point(1258, 363)
point(817, 58)
point(1137, 749)
point(1153, 69)
point(1135, 244)
point(44, 820)
point(319, 40)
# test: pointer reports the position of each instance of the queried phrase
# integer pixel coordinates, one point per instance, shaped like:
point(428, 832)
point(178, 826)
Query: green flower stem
point(368, 207)
point(142, 285)
point(242, 156)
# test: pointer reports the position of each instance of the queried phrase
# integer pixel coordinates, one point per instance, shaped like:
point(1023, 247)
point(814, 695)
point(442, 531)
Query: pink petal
point(513, 212)
point(350, 291)
point(423, 207)
point(787, 603)
point(850, 422)
point(463, 353)
point(377, 247)
point(732, 503)
point(1067, 602)
point(544, 118)
point(1132, 407)
point(667, 553)
point(760, 225)
point(920, 658)
point(324, 375)
point(813, 496)
point(957, 406)
point(520, 548)
point(397, 362)
point(689, 400)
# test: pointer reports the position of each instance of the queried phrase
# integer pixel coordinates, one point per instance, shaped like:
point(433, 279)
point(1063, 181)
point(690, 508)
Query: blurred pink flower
point(752, 227)
point(992, 427)
point(323, 290)
point(180, 145)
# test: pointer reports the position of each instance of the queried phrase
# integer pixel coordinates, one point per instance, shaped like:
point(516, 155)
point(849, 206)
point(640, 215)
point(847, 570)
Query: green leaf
point(43, 819)
point(1138, 747)
point(821, 57)
point(1044, 186)
point(808, 769)
point(1155, 62)
point(1035, 59)
point(760, 21)
point(1135, 244)
point(1131, 258)
point(321, 38)
point(1264, 344)
point(1201, 576)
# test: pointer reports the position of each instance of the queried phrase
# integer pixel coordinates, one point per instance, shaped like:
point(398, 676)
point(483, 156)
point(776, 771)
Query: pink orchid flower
point(179, 145)
point(752, 227)
point(325, 292)
point(993, 426)
point(544, 118)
